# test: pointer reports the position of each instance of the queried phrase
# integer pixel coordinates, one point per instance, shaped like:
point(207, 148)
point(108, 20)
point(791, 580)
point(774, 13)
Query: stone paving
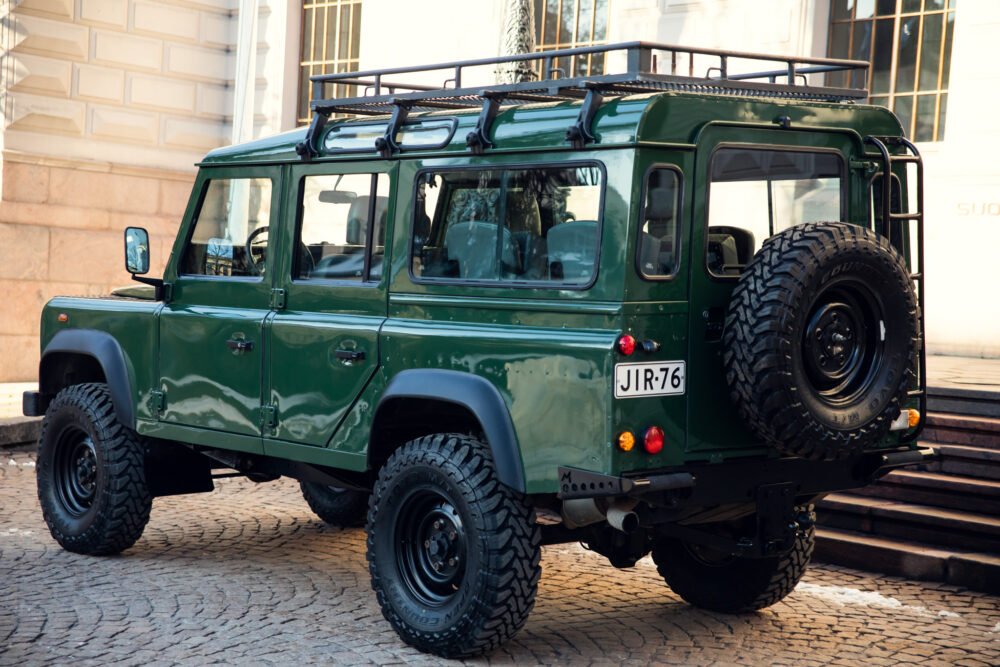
point(247, 575)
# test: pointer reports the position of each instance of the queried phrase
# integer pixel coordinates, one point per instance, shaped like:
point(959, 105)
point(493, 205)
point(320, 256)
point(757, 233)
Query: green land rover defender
point(660, 310)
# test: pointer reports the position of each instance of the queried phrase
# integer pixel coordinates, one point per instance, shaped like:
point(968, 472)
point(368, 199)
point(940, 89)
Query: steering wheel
point(256, 247)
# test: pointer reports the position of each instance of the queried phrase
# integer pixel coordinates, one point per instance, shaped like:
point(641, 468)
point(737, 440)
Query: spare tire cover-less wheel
point(821, 339)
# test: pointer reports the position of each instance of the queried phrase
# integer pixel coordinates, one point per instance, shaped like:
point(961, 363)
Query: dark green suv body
point(665, 320)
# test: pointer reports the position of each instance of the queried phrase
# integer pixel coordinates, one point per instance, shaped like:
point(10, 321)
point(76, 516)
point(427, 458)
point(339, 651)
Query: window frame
point(196, 215)
point(511, 284)
point(366, 279)
point(678, 256)
point(780, 148)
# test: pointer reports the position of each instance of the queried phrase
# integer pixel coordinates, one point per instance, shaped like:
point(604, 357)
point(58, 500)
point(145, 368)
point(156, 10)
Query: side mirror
point(136, 250)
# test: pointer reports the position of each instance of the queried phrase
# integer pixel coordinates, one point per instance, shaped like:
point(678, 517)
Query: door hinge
point(268, 417)
point(867, 166)
point(157, 402)
point(277, 298)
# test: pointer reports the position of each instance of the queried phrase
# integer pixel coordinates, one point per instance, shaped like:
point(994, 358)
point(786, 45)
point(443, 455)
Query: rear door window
point(755, 193)
point(528, 225)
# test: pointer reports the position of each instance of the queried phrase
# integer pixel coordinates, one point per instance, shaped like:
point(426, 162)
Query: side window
point(896, 227)
point(339, 213)
point(510, 226)
point(230, 229)
point(756, 193)
point(658, 238)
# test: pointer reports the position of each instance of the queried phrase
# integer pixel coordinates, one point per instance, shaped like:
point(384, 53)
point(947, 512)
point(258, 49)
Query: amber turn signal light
point(626, 441)
point(653, 440)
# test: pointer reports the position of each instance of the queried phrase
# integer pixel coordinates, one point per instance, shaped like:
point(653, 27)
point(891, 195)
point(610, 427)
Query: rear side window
point(339, 213)
point(658, 238)
point(230, 229)
point(756, 193)
point(509, 225)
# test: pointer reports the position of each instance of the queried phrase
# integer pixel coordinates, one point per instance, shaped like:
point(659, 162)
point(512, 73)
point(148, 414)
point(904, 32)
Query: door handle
point(239, 344)
point(350, 355)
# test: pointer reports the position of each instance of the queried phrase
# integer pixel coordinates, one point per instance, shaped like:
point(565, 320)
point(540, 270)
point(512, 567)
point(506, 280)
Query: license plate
point(657, 378)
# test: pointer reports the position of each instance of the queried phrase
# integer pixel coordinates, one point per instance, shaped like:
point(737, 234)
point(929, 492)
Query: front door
point(210, 352)
point(753, 184)
point(323, 344)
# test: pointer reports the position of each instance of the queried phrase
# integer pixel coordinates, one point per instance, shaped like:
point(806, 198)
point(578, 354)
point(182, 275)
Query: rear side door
point(323, 340)
point(752, 184)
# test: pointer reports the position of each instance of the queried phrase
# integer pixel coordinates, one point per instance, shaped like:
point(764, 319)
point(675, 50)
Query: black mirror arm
point(159, 287)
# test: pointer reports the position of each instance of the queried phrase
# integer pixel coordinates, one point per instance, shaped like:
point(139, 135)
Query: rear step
point(975, 570)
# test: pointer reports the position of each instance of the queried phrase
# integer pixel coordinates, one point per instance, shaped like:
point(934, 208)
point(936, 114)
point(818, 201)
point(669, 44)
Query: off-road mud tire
point(90, 473)
point(336, 506)
point(799, 280)
point(736, 584)
point(488, 601)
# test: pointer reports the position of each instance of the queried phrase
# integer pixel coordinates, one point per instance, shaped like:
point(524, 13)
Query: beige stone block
point(163, 19)
point(122, 49)
point(218, 30)
point(79, 187)
point(174, 196)
point(198, 62)
point(57, 7)
point(101, 83)
point(158, 226)
point(53, 215)
point(122, 124)
point(24, 252)
point(19, 358)
point(35, 112)
point(58, 38)
point(86, 256)
point(24, 300)
point(214, 100)
point(109, 12)
point(158, 91)
point(191, 133)
point(134, 194)
point(25, 182)
point(28, 72)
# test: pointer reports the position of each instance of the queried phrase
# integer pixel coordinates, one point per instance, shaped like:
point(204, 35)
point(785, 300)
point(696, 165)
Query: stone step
point(963, 430)
point(904, 558)
point(958, 401)
point(966, 461)
point(910, 521)
point(969, 494)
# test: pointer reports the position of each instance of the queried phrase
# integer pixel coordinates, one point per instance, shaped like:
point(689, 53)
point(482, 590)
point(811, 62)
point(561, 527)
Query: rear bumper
point(737, 481)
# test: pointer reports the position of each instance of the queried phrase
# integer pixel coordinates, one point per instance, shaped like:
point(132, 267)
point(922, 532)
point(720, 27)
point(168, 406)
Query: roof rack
point(648, 67)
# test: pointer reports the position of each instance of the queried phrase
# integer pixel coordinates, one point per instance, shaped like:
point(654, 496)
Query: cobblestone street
point(248, 575)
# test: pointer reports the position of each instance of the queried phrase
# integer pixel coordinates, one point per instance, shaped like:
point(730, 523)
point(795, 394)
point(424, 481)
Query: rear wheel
point(453, 554)
point(729, 583)
point(91, 474)
point(334, 505)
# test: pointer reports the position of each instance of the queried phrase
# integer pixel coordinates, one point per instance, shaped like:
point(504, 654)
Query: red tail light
point(626, 344)
point(652, 442)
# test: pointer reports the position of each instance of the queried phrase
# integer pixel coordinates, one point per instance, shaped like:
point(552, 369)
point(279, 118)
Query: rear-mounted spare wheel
point(821, 339)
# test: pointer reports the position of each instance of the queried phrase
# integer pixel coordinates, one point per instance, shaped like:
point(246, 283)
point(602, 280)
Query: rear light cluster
point(652, 440)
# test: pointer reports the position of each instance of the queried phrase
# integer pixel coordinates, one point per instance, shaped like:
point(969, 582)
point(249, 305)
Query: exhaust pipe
point(586, 511)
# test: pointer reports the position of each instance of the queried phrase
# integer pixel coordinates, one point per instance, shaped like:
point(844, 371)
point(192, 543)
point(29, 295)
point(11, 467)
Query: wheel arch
point(422, 401)
point(75, 356)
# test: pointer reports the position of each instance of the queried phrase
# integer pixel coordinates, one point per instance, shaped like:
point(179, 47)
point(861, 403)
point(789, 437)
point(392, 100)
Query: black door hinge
point(157, 402)
point(277, 299)
point(268, 417)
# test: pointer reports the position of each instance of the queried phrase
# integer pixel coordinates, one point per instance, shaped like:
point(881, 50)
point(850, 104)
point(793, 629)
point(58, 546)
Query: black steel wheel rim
point(75, 471)
point(843, 342)
point(431, 547)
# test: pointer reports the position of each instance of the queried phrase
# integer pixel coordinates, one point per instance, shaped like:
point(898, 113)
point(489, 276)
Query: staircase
point(937, 522)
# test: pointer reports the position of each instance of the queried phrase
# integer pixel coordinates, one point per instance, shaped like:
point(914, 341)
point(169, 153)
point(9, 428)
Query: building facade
point(108, 105)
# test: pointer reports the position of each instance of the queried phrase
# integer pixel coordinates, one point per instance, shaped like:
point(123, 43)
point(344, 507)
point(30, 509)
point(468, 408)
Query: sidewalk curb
point(19, 431)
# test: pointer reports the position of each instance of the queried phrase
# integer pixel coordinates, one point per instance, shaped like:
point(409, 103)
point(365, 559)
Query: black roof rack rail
point(647, 66)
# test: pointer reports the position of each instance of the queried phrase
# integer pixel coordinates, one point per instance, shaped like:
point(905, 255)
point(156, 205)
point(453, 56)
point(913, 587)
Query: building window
point(331, 33)
point(908, 43)
point(566, 24)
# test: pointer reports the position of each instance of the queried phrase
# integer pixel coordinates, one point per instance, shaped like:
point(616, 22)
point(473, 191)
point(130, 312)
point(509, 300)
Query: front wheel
point(453, 554)
point(729, 583)
point(91, 474)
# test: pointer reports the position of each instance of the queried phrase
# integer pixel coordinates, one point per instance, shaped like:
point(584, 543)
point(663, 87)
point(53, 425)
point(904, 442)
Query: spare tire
point(821, 339)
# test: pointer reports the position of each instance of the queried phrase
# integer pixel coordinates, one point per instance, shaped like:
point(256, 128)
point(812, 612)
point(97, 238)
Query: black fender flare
point(107, 352)
point(478, 396)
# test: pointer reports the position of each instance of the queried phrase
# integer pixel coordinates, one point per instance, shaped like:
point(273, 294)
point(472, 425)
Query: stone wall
point(61, 225)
